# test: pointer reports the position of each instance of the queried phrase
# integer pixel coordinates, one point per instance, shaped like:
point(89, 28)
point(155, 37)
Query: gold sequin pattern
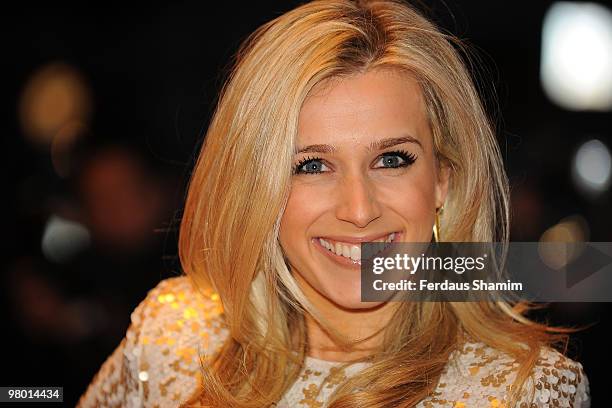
point(158, 360)
point(157, 364)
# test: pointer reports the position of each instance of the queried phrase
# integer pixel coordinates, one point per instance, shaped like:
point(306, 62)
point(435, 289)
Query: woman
point(342, 122)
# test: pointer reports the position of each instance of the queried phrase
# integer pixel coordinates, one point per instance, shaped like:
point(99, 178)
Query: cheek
point(413, 200)
point(305, 205)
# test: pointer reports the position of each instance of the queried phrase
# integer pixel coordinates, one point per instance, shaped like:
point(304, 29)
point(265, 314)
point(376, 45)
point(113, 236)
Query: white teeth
point(338, 249)
point(350, 250)
point(355, 253)
point(324, 243)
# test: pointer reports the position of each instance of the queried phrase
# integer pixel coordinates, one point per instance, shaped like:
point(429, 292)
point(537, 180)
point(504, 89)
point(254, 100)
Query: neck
point(352, 323)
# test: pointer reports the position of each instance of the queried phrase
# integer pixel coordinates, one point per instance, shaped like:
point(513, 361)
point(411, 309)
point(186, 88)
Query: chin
point(351, 300)
point(361, 305)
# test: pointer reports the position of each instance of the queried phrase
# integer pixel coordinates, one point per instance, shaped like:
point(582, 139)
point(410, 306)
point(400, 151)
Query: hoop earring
point(436, 227)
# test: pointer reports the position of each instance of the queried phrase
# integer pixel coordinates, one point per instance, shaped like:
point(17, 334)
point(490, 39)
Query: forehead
point(364, 107)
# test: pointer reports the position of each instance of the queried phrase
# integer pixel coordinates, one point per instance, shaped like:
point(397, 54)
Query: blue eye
point(390, 160)
point(309, 166)
point(397, 159)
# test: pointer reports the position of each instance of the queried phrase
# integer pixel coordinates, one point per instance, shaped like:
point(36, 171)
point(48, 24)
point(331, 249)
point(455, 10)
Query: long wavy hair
point(229, 242)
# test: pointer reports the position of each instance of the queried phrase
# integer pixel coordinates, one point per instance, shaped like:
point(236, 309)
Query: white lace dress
point(157, 364)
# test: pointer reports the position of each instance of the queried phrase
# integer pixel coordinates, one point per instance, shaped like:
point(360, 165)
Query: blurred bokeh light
point(572, 229)
point(576, 66)
point(592, 168)
point(55, 96)
point(62, 239)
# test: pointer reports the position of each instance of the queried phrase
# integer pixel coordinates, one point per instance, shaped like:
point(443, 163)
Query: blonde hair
point(228, 239)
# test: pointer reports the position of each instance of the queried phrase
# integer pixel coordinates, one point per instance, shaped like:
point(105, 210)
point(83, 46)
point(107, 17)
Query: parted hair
point(228, 240)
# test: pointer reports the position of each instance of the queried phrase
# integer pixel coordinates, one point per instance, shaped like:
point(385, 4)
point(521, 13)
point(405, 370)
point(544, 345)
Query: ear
point(442, 182)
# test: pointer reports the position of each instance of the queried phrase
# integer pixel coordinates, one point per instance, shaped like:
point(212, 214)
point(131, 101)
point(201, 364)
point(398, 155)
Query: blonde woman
point(342, 122)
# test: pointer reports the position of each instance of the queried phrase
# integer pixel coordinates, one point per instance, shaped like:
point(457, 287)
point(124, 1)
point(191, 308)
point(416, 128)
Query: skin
point(354, 191)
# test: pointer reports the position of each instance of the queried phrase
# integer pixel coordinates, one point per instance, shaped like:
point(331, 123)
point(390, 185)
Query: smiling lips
point(352, 249)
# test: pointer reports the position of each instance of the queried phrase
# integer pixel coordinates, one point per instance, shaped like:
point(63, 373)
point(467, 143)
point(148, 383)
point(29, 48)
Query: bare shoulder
point(479, 374)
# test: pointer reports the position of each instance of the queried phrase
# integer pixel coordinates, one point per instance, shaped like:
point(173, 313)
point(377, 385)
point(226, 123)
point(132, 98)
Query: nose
point(357, 202)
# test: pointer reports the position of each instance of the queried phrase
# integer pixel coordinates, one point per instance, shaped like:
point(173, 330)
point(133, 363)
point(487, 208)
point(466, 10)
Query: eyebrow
point(376, 145)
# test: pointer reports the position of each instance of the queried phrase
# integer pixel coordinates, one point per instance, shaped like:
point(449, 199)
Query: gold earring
point(436, 227)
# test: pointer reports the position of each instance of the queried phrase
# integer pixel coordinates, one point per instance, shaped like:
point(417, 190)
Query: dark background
point(153, 74)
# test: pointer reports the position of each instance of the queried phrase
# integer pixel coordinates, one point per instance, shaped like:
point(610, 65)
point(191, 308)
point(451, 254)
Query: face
point(365, 170)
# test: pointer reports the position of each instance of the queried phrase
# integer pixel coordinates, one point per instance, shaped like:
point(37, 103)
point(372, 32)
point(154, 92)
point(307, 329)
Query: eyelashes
point(408, 158)
point(298, 168)
point(314, 165)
